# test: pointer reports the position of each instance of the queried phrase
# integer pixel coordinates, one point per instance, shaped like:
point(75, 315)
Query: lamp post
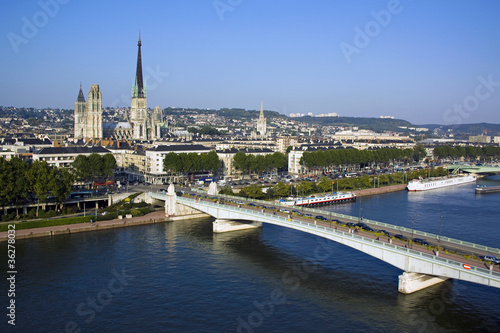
point(360, 209)
point(440, 224)
point(412, 228)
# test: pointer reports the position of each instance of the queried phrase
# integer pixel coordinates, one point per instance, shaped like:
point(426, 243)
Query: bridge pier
point(221, 225)
point(410, 282)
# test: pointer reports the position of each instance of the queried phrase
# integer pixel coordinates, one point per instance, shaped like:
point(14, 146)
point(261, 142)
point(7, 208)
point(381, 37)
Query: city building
point(65, 156)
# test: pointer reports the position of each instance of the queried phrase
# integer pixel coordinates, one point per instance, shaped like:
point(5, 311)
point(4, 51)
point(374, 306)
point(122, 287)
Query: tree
point(211, 162)
point(241, 162)
point(419, 152)
point(325, 184)
point(81, 167)
point(253, 191)
point(109, 165)
point(281, 190)
point(38, 178)
point(60, 184)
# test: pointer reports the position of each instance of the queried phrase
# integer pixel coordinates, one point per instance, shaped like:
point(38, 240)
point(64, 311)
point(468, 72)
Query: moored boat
point(336, 197)
point(439, 182)
point(487, 189)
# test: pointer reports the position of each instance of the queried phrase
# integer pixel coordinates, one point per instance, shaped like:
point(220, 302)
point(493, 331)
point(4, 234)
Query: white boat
point(438, 182)
point(316, 201)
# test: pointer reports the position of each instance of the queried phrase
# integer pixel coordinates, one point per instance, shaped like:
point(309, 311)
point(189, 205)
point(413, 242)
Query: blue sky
point(422, 61)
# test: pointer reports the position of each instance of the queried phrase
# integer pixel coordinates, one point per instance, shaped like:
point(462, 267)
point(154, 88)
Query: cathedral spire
point(138, 90)
point(81, 98)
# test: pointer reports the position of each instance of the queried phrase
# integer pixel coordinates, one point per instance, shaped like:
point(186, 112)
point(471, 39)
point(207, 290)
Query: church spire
point(138, 90)
point(81, 98)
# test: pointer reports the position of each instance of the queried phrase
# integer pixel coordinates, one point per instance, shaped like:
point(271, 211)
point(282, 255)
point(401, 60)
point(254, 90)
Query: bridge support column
point(220, 225)
point(411, 282)
point(170, 201)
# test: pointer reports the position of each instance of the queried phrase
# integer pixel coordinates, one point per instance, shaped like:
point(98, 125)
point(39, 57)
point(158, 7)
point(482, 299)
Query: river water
point(180, 277)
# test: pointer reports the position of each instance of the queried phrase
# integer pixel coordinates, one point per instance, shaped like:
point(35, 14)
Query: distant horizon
point(423, 62)
point(255, 110)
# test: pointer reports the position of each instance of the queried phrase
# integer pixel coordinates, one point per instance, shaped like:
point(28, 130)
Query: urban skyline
point(419, 61)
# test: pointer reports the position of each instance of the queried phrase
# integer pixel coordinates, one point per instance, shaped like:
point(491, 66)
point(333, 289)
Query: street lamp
point(360, 209)
point(440, 224)
point(412, 228)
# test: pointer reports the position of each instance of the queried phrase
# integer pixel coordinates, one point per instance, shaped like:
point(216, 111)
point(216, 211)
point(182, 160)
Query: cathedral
point(141, 124)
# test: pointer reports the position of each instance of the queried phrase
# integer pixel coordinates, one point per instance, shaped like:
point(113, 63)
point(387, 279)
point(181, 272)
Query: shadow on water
point(333, 277)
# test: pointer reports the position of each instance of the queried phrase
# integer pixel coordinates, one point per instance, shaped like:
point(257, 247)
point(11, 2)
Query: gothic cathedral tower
point(94, 113)
point(80, 116)
point(138, 110)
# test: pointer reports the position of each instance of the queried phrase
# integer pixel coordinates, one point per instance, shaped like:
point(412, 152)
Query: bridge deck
point(419, 259)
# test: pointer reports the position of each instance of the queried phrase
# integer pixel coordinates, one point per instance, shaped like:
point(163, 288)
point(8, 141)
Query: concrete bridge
point(477, 169)
point(421, 269)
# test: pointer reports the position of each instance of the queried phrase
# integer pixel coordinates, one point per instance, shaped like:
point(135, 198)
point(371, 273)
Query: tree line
point(469, 153)
point(335, 157)
point(185, 163)
point(248, 163)
point(21, 181)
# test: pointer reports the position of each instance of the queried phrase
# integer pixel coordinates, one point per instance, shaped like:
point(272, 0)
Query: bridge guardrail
point(429, 235)
point(490, 249)
point(479, 270)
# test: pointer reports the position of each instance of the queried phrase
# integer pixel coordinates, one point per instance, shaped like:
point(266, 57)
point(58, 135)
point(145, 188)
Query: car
point(420, 241)
point(283, 210)
point(493, 259)
point(252, 205)
point(321, 217)
point(401, 237)
point(351, 225)
point(365, 227)
point(382, 231)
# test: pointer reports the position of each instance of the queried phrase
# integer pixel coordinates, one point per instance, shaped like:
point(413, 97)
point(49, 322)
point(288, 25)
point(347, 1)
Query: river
point(180, 277)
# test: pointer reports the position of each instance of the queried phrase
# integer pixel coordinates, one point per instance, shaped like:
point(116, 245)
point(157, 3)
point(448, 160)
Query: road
point(456, 252)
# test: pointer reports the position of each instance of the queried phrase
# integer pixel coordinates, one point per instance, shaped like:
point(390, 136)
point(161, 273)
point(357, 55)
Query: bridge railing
point(367, 240)
point(425, 234)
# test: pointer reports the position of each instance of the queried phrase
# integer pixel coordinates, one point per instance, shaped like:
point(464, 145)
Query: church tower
point(80, 115)
point(261, 122)
point(138, 110)
point(94, 113)
point(156, 120)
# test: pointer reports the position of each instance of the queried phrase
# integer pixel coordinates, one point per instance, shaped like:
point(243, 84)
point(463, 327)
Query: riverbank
point(154, 217)
point(380, 190)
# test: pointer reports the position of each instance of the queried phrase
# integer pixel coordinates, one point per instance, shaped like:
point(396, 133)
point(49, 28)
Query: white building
point(65, 156)
point(156, 155)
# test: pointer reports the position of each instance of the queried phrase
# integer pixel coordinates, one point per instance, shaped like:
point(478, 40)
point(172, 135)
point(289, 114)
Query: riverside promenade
point(154, 217)
point(379, 190)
